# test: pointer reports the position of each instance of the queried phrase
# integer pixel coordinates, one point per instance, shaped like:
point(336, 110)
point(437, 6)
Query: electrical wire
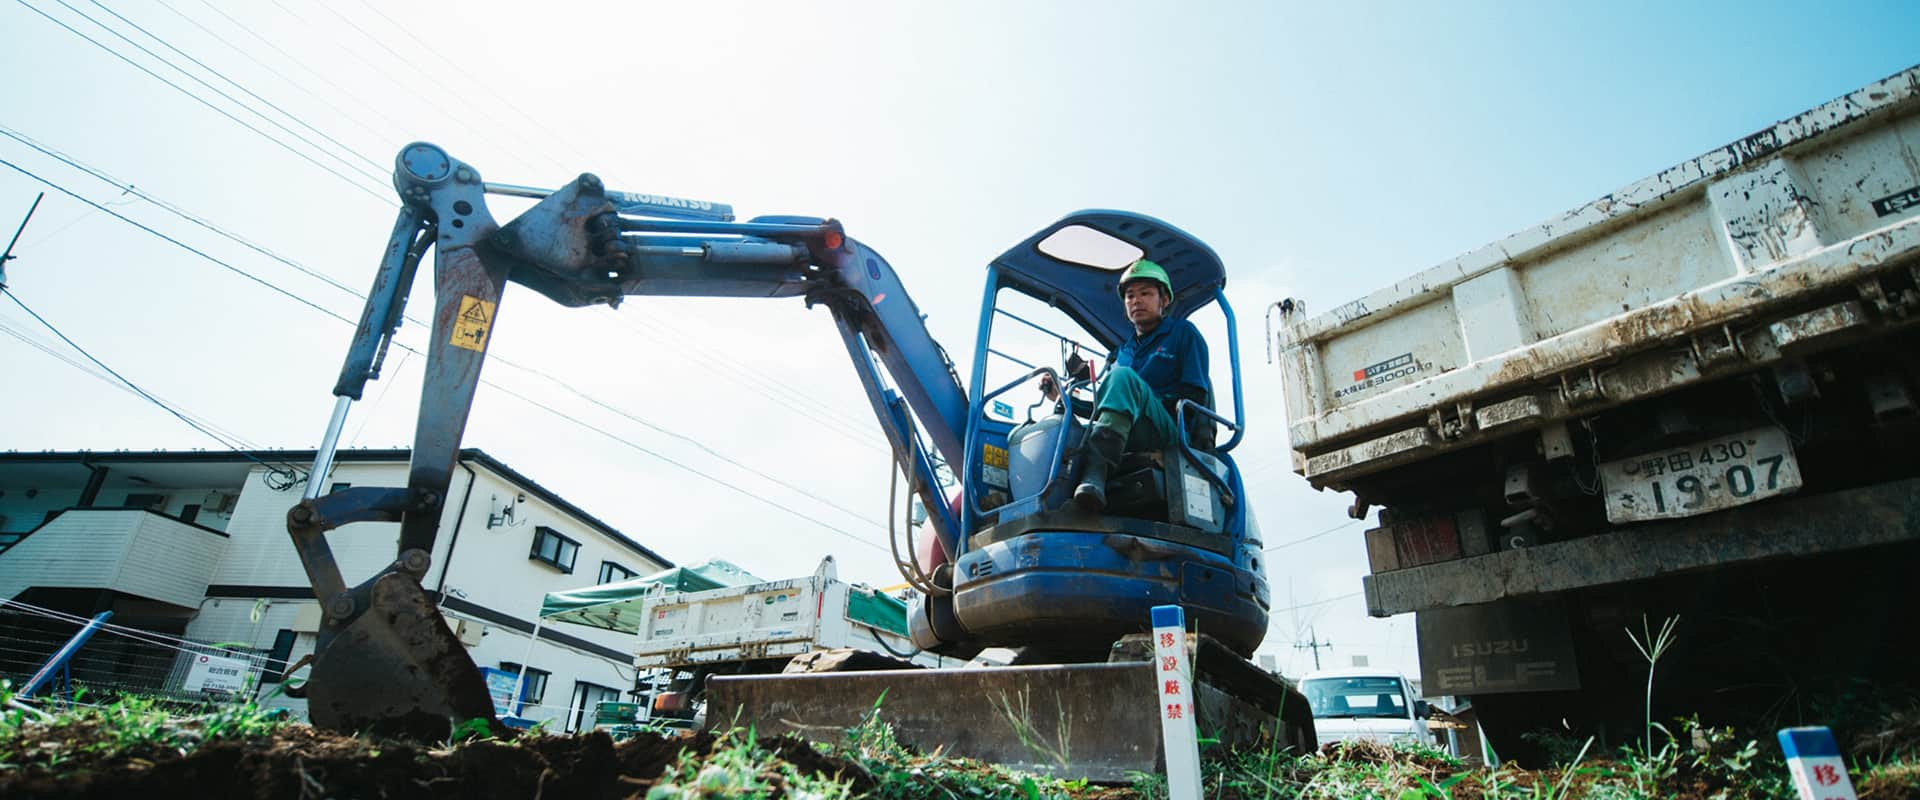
point(129, 188)
point(678, 465)
point(424, 97)
point(458, 70)
point(1304, 539)
point(710, 360)
point(837, 418)
point(222, 112)
point(413, 67)
point(1348, 595)
point(97, 373)
point(303, 301)
point(136, 387)
point(394, 133)
point(137, 634)
point(182, 213)
point(380, 168)
point(180, 244)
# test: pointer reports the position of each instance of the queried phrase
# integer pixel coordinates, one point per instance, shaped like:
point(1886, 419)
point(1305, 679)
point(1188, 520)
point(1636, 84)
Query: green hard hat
point(1144, 270)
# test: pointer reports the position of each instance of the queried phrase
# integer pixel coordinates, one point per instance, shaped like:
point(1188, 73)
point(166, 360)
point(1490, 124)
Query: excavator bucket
point(397, 669)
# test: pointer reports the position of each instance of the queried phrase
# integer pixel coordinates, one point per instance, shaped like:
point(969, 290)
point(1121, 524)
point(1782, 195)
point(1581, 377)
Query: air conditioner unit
point(307, 619)
point(220, 502)
point(468, 631)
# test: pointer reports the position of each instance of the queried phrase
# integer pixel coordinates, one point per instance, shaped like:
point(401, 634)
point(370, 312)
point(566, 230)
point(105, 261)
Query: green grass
point(1690, 760)
point(128, 724)
point(737, 766)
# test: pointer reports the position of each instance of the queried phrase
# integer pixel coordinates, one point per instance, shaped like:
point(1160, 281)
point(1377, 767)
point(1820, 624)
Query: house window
point(587, 698)
point(275, 670)
point(551, 547)
point(611, 572)
point(157, 502)
point(533, 688)
point(190, 512)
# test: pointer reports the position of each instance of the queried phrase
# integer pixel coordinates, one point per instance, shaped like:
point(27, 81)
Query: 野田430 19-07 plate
point(1701, 477)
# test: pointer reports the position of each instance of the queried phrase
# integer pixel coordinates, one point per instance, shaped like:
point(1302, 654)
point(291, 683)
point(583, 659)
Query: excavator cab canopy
point(1074, 265)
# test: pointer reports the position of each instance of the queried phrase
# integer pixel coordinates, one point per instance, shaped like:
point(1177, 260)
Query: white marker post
point(1173, 693)
point(1814, 760)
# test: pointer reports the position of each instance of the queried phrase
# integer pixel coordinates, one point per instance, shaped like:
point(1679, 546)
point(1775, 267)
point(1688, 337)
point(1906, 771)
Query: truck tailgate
point(1525, 331)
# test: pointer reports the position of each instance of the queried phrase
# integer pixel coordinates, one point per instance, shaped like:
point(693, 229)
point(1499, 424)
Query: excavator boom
point(385, 657)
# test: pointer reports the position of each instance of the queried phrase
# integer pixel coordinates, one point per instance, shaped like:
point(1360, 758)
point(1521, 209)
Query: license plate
point(1700, 478)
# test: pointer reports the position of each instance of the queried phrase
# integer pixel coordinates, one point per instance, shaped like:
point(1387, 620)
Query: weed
point(1652, 647)
point(1021, 720)
point(737, 766)
point(476, 729)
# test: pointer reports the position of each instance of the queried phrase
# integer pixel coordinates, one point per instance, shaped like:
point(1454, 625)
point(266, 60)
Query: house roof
point(217, 467)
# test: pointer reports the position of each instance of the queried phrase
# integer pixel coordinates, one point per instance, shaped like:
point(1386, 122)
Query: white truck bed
point(1703, 269)
point(775, 619)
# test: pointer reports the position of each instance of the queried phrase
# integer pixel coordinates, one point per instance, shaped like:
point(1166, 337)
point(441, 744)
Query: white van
point(1361, 704)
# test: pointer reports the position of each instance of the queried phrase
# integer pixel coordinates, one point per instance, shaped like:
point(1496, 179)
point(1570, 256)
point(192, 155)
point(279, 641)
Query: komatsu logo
point(669, 202)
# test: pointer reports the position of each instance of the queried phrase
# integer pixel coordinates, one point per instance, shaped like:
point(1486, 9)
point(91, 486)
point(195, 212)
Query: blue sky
point(1323, 150)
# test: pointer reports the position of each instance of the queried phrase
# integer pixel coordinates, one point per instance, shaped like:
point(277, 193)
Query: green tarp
point(882, 611)
point(616, 606)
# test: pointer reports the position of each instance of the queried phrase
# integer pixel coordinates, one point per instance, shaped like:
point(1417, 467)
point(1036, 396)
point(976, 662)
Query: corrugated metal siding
point(169, 561)
point(78, 550)
point(136, 552)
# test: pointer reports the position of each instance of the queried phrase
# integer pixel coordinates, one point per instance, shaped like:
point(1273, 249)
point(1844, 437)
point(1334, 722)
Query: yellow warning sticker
point(994, 456)
point(470, 328)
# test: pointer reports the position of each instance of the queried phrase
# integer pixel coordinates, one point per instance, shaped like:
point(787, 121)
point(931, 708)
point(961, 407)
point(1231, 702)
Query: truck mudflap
point(1099, 722)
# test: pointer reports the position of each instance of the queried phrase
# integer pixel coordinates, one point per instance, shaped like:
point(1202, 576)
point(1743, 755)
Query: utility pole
point(8, 254)
point(1312, 644)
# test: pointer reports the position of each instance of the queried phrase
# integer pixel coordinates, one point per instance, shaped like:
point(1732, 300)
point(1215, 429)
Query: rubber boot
point(1105, 441)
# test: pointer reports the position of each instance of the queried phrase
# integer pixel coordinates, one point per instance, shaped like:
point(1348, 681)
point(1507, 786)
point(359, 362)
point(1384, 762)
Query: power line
point(1304, 539)
point(177, 243)
point(1270, 612)
point(479, 108)
point(7, 328)
point(770, 388)
point(136, 387)
point(296, 62)
point(422, 96)
point(128, 188)
point(458, 70)
point(729, 485)
point(203, 101)
point(303, 301)
point(827, 414)
point(357, 295)
point(236, 84)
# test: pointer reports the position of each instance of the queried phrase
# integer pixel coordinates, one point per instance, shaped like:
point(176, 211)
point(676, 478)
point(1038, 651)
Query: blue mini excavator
point(1022, 566)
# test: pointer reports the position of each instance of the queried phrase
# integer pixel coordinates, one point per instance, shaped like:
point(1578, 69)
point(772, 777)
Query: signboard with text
point(211, 673)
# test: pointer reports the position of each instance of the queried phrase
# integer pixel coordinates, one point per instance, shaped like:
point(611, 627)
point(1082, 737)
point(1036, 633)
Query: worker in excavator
point(1163, 363)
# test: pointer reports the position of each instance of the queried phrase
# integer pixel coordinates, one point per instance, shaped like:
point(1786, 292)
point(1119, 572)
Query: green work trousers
point(1124, 391)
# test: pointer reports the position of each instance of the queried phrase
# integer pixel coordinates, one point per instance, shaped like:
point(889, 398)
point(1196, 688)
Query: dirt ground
point(300, 762)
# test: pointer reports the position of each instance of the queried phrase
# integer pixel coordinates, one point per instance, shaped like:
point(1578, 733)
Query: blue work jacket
point(1171, 358)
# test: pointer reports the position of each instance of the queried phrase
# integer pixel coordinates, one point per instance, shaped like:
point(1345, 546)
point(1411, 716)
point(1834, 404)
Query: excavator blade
point(1099, 722)
point(397, 670)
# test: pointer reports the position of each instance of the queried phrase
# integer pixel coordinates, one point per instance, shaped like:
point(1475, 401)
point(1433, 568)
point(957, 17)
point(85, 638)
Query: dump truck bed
point(775, 619)
point(1728, 260)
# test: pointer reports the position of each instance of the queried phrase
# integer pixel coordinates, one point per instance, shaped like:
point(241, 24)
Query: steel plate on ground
point(1099, 722)
point(1702, 477)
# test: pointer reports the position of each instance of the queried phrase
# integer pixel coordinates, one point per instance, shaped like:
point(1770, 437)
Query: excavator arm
point(386, 659)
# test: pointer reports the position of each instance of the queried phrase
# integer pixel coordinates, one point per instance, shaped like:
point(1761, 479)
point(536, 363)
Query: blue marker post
point(1814, 760)
point(1173, 695)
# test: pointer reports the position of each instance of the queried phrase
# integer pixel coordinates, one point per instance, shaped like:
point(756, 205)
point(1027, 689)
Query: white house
point(191, 548)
